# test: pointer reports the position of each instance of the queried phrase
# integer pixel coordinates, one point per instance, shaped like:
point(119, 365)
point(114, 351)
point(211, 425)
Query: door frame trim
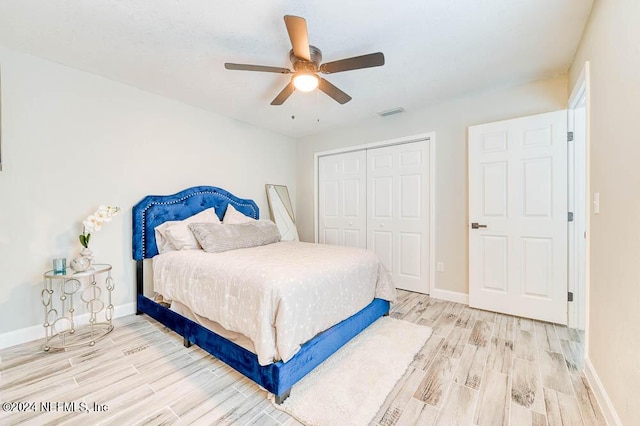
point(431, 137)
point(581, 90)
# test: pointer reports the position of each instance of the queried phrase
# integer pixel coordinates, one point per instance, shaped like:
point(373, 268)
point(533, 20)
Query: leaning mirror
point(281, 211)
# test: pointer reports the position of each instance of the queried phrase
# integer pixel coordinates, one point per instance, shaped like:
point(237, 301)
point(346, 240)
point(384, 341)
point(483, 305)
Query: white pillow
point(234, 217)
point(176, 235)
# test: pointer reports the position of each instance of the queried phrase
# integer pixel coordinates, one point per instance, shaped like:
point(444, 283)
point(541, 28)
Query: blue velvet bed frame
point(277, 377)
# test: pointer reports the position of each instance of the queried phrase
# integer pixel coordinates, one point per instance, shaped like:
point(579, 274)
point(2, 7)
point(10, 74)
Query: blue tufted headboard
point(154, 210)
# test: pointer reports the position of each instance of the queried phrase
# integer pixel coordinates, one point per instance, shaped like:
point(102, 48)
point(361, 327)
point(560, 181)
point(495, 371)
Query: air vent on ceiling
point(391, 112)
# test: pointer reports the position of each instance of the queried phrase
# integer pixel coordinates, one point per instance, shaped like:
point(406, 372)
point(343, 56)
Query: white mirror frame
point(281, 211)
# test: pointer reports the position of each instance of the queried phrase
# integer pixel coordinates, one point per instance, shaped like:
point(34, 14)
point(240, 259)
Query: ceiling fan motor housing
point(304, 65)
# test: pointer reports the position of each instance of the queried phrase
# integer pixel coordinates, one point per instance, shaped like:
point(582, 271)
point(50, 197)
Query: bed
point(276, 370)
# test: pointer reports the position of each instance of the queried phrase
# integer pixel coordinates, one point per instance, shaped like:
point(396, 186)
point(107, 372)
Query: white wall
point(72, 141)
point(612, 45)
point(449, 121)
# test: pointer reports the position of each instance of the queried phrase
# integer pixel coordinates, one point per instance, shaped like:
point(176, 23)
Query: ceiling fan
point(306, 65)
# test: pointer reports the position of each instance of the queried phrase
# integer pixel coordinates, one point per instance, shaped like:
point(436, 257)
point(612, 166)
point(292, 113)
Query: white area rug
point(350, 387)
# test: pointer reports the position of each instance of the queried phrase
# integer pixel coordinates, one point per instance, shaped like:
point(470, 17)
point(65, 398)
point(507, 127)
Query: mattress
point(278, 296)
point(237, 338)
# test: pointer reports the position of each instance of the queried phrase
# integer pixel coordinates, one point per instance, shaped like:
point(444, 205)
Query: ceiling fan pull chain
point(317, 105)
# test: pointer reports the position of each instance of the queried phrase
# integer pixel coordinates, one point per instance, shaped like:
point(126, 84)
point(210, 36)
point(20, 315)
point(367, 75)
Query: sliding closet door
point(398, 212)
point(342, 218)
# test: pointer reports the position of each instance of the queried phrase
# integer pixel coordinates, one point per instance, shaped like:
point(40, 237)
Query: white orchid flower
point(94, 222)
point(112, 211)
point(89, 224)
point(102, 215)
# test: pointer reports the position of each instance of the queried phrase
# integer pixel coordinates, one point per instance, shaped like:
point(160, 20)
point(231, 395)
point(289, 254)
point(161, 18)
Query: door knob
point(476, 225)
point(350, 223)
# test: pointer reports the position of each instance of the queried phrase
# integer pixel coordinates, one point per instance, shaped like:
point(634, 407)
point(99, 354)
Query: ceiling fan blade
point(355, 63)
point(297, 29)
point(246, 67)
point(333, 91)
point(284, 94)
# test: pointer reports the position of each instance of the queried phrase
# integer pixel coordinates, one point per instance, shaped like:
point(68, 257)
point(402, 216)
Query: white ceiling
point(434, 49)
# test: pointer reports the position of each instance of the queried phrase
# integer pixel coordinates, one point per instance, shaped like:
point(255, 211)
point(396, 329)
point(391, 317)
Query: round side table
point(58, 298)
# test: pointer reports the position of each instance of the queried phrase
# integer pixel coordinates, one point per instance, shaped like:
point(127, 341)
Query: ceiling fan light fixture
point(305, 82)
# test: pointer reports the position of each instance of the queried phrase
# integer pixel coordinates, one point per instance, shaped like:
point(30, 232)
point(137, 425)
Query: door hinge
point(570, 217)
point(570, 296)
point(569, 136)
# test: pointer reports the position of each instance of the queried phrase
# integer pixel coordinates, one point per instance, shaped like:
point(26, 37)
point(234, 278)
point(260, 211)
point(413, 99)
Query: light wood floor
point(483, 368)
point(477, 368)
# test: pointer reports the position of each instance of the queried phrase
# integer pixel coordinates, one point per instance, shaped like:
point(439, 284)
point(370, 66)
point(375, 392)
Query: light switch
point(596, 203)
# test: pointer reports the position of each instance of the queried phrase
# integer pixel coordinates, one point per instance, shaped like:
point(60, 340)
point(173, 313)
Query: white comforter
point(279, 295)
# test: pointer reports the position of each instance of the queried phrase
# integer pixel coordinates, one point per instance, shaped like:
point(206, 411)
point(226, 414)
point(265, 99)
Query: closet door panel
point(379, 199)
point(342, 218)
point(381, 190)
point(329, 236)
point(398, 197)
point(410, 254)
point(382, 246)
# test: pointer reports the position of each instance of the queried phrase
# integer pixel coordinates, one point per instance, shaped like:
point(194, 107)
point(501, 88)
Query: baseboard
point(450, 296)
point(28, 334)
point(601, 394)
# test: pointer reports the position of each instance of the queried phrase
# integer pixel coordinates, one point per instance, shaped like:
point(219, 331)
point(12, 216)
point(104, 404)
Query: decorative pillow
point(216, 238)
point(175, 235)
point(233, 216)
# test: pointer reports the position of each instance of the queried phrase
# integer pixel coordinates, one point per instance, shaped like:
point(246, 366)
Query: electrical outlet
point(440, 267)
point(596, 203)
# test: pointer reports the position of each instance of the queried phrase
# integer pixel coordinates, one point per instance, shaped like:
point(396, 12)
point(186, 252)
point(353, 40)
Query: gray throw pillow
point(216, 238)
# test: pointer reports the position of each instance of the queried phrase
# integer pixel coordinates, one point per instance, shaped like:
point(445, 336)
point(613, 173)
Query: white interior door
point(398, 212)
point(342, 218)
point(518, 198)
